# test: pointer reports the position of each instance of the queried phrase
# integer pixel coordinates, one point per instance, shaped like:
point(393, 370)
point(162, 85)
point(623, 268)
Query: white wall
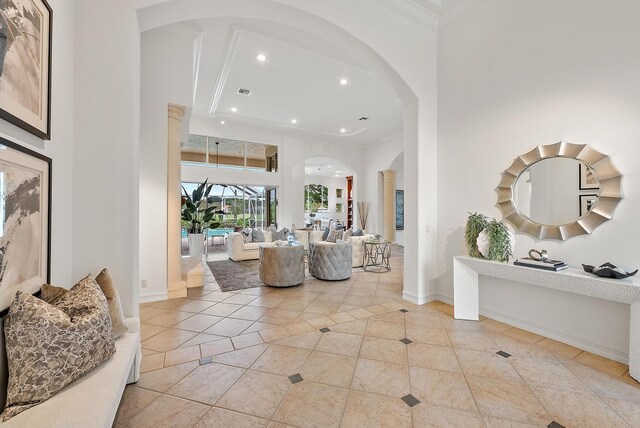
point(61, 145)
point(516, 74)
point(167, 67)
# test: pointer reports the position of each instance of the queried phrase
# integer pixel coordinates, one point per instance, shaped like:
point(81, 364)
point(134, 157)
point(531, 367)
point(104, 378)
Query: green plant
point(199, 211)
point(499, 241)
point(476, 223)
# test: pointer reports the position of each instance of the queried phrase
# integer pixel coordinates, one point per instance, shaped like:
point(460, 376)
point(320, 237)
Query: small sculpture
point(608, 270)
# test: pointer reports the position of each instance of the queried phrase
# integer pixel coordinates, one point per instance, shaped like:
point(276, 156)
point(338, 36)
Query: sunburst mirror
point(559, 191)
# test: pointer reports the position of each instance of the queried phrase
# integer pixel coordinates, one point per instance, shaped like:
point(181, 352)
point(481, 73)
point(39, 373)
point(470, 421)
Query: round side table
point(377, 255)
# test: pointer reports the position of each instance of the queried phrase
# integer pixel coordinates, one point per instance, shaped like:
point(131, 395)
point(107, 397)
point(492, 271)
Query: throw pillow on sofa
point(358, 232)
point(257, 235)
point(51, 345)
point(326, 233)
point(332, 237)
point(281, 235)
point(347, 234)
point(50, 293)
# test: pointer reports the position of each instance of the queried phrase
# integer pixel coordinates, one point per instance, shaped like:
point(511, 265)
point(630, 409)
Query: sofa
point(238, 250)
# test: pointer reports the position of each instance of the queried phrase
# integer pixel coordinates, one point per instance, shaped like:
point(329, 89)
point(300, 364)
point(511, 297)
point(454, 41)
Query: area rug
point(232, 275)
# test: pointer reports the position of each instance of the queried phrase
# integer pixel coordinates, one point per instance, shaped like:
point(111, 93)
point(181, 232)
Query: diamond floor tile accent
point(503, 354)
point(410, 400)
point(207, 360)
point(404, 310)
point(325, 329)
point(295, 378)
point(554, 424)
point(406, 341)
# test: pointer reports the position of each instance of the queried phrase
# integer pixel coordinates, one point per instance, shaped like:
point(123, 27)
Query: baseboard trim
point(153, 297)
point(560, 336)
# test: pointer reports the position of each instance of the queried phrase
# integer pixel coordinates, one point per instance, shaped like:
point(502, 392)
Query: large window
point(225, 153)
point(246, 206)
point(316, 198)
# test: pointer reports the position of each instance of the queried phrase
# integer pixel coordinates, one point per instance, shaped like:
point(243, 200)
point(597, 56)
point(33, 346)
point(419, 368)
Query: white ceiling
point(325, 167)
point(299, 79)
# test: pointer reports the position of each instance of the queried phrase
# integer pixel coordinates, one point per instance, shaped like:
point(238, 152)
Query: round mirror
point(549, 192)
point(559, 191)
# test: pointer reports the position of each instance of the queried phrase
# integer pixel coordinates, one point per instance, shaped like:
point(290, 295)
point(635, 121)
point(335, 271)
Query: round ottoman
point(330, 260)
point(282, 266)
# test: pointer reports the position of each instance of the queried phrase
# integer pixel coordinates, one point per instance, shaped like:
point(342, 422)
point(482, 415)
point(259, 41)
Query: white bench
point(91, 401)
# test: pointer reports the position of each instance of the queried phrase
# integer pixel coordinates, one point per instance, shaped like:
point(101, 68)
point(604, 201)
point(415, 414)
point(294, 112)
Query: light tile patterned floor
point(235, 359)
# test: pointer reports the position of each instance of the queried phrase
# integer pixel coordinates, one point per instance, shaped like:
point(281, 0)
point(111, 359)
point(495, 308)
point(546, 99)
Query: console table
point(466, 302)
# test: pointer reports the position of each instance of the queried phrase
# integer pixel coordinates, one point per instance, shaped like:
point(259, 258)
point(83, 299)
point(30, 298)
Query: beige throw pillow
point(51, 345)
point(113, 298)
point(49, 292)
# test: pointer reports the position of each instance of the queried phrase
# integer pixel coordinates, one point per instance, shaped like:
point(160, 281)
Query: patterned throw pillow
point(347, 234)
point(332, 237)
point(247, 235)
point(281, 235)
point(51, 345)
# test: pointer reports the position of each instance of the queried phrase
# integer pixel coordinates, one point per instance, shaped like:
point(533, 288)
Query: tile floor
point(353, 354)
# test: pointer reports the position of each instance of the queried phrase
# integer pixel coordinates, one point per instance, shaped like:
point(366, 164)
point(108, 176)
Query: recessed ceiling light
point(294, 121)
point(234, 109)
point(261, 58)
point(342, 130)
point(222, 122)
point(343, 82)
point(328, 166)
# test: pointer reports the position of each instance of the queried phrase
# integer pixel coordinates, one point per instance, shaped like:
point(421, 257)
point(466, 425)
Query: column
point(389, 200)
point(176, 287)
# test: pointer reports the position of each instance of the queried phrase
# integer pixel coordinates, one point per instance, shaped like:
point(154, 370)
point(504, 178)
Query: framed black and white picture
point(587, 202)
point(399, 209)
point(25, 65)
point(588, 179)
point(25, 221)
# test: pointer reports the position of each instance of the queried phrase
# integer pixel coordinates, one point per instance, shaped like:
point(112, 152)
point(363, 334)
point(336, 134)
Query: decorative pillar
point(389, 200)
point(176, 287)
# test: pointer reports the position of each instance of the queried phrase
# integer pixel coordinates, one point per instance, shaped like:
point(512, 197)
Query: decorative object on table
point(199, 212)
point(377, 236)
point(608, 270)
point(538, 255)
point(363, 213)
point(25, 65)
point(25, 195)
point(496, 241)
point(476, 223)
point(520, 181)
point(399, 209)
point(588, 178)
point(291, 236)
point(587, 202)
point(547, 264)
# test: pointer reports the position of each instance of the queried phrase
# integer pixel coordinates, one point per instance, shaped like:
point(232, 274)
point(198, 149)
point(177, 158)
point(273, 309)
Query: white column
point(176, 287)
point(389, 201)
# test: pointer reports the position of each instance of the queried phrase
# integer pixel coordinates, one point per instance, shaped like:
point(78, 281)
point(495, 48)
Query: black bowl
point(607, 270)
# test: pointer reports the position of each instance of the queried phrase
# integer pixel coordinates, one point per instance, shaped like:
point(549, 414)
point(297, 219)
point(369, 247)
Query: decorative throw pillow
point(49, 292)
point(281, 235)
point(326, 233)
point(113, 299)
point(332, 237)
point(49, 346)
point(347, 234)
point(257, 235)
point(358, 232)
point(247, 235)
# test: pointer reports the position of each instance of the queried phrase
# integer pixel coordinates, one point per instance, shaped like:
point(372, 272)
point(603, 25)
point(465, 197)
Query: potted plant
point(199, 212)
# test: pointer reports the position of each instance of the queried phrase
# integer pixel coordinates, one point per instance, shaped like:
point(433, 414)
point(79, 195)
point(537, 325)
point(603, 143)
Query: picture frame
point(25, 221)
point(339, 193)
point(338, 207)
point(399, 209)
point(588, 179)
point(587, 202)
point(25, 65)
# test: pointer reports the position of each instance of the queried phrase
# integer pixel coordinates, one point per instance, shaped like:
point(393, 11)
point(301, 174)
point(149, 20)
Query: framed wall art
point(588, 179)
point(25, 221)
point(399, 209)
point(25, 65)
point(587, 202)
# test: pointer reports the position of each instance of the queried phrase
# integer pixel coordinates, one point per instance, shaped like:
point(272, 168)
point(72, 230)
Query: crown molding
point(425, 13)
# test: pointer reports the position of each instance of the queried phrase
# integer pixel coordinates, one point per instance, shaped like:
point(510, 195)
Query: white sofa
point(238, 250)
point(92, 400)
point(357, 242)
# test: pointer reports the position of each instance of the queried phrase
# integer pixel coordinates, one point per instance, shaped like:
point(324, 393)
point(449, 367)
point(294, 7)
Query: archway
point(184, 10)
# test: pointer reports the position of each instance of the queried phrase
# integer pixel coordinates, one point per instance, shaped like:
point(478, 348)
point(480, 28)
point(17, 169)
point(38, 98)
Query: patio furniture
point(330, 260)
point(282, 266)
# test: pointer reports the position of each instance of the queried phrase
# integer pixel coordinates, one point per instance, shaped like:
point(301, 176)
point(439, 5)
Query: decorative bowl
point(608, 270)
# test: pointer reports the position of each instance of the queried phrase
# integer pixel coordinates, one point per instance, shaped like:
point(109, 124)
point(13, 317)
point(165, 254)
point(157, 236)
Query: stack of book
point(552, 265)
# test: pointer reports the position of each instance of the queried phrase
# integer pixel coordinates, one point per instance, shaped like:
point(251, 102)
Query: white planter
point(196, 244)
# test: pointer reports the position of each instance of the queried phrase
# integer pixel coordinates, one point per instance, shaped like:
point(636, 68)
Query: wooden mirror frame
point(609, 197)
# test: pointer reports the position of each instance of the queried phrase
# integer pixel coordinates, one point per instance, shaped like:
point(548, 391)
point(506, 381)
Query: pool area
point(221, 231)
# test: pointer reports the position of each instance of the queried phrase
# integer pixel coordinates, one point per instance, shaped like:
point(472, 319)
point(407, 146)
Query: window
point(225, 153)
point(316, 198)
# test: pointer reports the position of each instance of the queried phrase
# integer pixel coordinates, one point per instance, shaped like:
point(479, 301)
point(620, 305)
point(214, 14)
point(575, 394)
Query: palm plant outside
point(199, 210)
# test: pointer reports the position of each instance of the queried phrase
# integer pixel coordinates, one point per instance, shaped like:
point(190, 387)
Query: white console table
point(466, 302)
